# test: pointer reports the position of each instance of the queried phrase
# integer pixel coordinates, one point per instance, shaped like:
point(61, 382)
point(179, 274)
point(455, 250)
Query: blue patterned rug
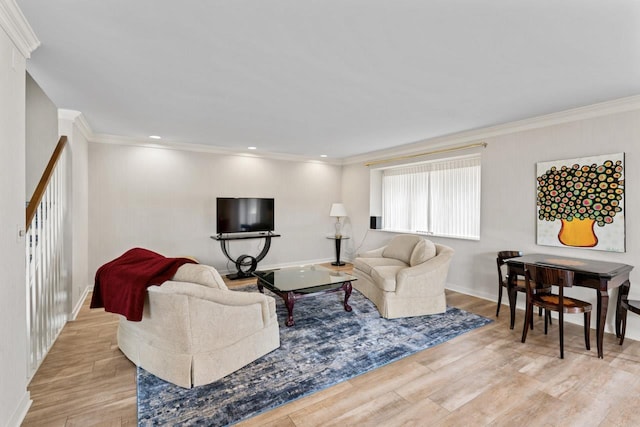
point(326, 346)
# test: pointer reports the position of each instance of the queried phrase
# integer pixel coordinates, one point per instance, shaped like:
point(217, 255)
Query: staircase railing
point(46, 276)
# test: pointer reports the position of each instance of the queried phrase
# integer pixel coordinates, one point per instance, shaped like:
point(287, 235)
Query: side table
point(338, 240)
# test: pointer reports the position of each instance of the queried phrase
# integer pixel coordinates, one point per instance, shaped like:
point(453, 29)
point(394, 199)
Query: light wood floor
point(483, 378)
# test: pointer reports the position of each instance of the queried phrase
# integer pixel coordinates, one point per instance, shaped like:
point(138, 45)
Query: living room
point(162, 196)
point(165, 199)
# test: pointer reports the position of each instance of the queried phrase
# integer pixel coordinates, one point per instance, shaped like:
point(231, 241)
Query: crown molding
point(621, 105)
point(202, 148)
point(78, 119)
point(17, 28)
point(70, 115)
point(582, 113)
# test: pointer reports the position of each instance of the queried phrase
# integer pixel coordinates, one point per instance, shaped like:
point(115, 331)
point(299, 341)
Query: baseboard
point(21, 411)
point(472, 292)
point(76, 309)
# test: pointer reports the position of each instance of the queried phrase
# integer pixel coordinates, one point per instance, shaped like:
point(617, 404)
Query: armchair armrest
point(374, 253)
point(428, 277)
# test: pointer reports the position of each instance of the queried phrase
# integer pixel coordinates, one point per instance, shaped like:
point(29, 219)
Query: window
point(440, 198)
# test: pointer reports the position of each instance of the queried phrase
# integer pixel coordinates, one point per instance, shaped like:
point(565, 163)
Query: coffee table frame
point(291, 296)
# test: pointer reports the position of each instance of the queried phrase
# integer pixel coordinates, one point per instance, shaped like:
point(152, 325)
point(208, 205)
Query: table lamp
point(338, 210)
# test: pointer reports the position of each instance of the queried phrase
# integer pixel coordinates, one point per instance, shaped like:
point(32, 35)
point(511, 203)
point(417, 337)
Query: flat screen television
point(244, 214)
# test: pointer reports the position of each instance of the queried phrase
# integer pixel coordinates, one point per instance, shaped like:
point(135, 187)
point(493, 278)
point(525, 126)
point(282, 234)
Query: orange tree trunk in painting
point(578, 232)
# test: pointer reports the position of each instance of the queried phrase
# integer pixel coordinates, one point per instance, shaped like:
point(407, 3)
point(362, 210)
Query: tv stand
point(248, 262)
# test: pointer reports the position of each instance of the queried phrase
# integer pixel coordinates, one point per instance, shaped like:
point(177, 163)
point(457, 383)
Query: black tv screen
point(241, 215)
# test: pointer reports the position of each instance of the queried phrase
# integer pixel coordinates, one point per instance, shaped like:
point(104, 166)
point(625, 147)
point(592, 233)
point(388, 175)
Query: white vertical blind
point(405, 198)
point(440, 198)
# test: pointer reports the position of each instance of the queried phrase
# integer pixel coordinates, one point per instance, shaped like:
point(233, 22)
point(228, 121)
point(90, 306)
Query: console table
point(244, 260)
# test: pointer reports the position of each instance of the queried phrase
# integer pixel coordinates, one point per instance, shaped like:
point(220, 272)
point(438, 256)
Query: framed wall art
point(580, 203)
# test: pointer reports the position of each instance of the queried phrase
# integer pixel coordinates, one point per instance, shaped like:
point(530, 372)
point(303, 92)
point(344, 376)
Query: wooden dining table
point(599, 275)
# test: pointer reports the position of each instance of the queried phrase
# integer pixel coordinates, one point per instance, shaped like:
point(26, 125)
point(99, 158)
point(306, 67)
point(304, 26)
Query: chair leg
point(547, 314)
point(499, 300)
point(623, 293)
point(513, 301)
point(623, 323)
point(527, 319)
point(587, 330)
point(546, 321)
point(561, 329)
point(531, 318)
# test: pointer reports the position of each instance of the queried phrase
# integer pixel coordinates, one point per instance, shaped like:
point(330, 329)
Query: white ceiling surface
point(335, 77)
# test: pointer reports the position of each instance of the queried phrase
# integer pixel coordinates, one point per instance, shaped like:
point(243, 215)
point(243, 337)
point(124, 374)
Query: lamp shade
point(337, 209)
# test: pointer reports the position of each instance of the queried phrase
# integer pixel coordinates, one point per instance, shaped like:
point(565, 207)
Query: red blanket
point(121, 285)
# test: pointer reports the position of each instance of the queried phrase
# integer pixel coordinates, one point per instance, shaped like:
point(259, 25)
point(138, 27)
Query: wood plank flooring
point(483, 378)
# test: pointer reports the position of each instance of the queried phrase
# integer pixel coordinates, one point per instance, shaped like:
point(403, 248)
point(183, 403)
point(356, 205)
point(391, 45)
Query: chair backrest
point(503, 256)
point(201, 274)
point(538, 277)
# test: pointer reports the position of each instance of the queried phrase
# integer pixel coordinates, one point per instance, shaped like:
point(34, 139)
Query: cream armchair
point(405, 278)
point(195, 330)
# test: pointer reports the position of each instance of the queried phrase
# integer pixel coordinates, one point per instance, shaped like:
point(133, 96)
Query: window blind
point(440, 198)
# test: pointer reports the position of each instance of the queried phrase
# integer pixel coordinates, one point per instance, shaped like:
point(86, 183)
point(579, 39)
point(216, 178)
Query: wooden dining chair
point(503, 282)
point(537, 282)
point(626, 305)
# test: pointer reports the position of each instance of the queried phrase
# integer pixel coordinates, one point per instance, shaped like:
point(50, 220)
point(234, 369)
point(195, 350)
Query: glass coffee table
point(294, 283)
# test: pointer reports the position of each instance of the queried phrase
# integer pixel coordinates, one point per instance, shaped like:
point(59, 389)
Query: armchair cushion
point(422, 252)
point(367, 264)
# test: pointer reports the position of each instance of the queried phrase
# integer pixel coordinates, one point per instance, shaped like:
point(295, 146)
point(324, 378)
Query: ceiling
point(333, 77)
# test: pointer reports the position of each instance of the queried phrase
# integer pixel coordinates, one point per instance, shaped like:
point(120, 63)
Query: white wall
point(14, 398)
point(41, 133)
point(71, 124)
point(164, 200)
point(509, 201)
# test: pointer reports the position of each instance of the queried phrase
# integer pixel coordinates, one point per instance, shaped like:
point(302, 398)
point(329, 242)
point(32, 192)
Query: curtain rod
point(411, 156)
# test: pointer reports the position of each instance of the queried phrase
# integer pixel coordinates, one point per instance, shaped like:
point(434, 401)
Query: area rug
point(327, 345)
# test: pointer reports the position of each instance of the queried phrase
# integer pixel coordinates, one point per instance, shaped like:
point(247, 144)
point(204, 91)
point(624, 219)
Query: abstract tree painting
point(580, 203)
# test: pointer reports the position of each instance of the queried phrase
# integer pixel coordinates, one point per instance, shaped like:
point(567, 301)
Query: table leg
point(603, 303)
point(338, 262)
point(513, 298)
point(346, 286)
point(289, 301)
point(260, 287)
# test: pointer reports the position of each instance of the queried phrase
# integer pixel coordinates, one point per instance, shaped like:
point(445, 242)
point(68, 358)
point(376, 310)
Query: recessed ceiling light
point(252, 148)
point(323, 155)
point(155, 137)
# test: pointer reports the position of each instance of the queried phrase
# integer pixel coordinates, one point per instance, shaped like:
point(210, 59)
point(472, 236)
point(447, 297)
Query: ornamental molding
point(77, 119)
point(601, 109)
point(17, 28)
